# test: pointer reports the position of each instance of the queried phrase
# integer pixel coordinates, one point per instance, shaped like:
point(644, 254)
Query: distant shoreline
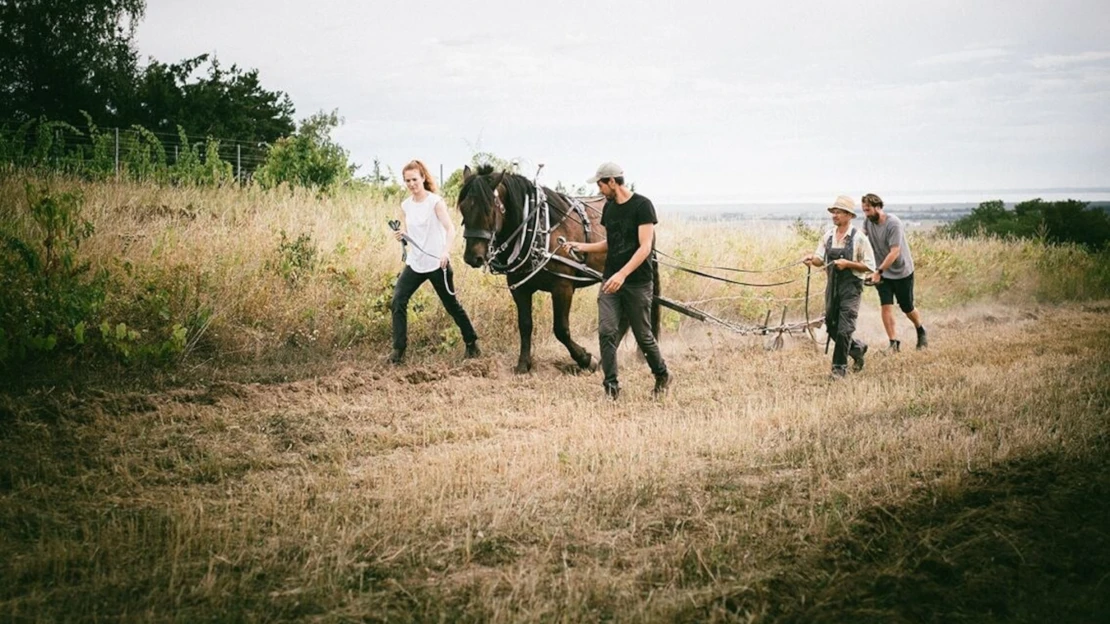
point(921, 213)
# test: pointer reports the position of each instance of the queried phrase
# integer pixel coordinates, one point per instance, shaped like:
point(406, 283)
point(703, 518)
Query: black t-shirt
point(622, 228)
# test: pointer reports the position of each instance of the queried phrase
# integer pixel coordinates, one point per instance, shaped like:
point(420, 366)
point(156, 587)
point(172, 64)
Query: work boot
point(895, 347)
point(472, 350)
point(612, 392)
point(857, 358)
point(662, 385)
point(838, 373)
point(397, 357)
point(922, 341)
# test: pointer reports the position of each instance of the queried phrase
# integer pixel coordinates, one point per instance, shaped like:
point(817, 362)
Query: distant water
point(921, 209)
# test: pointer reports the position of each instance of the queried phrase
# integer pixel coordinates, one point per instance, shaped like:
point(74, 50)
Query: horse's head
point(483, 212)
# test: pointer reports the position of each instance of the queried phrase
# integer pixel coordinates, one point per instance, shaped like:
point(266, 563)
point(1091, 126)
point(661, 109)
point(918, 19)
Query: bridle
point(498, 217)
point(529, 245)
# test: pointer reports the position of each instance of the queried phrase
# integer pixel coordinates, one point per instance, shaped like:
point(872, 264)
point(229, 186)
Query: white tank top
point(426, 231)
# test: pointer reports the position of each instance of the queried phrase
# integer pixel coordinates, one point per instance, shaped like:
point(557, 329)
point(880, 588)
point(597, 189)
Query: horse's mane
point(517, 188)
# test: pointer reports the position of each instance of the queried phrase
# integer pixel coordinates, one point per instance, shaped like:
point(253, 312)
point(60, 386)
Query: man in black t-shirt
point(626, 287)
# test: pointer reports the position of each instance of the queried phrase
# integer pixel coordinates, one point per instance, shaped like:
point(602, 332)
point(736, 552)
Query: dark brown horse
point(516, 229)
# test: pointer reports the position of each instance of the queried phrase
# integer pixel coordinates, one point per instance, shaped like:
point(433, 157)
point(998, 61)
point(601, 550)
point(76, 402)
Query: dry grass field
point(266, 478)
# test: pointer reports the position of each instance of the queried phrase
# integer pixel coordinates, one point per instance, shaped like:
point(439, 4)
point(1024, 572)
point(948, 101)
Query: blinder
point(486, 235)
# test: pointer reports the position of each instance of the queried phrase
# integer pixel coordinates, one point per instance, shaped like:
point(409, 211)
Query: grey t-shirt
point(887, 235)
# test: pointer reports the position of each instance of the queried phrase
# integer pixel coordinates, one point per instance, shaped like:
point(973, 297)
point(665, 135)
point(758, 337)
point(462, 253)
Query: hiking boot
point(472, 350)
point(857, 358)
point(895, 347)
point(612, 392)
point(662, 385)
point(838, 373)
point(922, 340)
point(397, 357)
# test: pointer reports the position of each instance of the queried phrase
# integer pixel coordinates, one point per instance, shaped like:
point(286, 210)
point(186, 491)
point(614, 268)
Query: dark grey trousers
point(841, 318)
point(633, 302)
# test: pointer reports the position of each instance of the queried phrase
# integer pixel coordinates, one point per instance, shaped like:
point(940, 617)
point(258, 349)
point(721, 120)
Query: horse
point(515, 228)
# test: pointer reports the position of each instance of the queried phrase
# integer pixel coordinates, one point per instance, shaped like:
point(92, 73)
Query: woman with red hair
point(425, 224)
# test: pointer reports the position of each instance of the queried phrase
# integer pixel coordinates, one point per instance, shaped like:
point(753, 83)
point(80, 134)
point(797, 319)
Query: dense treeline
point(1068, 221)
point(74, 98)
point(61, 57)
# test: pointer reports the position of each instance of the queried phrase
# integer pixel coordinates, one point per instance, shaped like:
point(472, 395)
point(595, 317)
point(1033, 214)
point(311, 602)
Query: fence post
point(117, 154)
point(441, 180)
point(239, 163)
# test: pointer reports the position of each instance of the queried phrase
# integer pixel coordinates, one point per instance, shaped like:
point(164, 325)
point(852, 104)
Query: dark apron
point(843, 291)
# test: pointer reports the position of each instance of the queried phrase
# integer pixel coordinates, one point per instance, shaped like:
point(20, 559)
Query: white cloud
point(810, 96)
point(1053, 61)
point(979, 55)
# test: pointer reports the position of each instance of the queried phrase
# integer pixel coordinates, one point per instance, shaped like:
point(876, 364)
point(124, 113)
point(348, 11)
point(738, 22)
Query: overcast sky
point(696, 100)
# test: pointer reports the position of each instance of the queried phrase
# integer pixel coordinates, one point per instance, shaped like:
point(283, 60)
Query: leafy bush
point(296, 259)
point(309, 158)
point(58, 146)
point(53, 301)
point(50, 296)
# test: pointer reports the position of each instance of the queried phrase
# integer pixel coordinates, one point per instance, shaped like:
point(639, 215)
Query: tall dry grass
point(943, 484)
point(251, 272)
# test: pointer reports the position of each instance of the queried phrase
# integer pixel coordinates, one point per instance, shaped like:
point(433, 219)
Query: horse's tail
point(655, 291)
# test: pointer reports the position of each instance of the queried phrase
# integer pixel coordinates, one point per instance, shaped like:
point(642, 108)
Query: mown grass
point(966, 482)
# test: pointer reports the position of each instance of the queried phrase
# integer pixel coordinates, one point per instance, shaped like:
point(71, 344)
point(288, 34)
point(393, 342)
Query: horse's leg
point(562, 294)
point(523, 300)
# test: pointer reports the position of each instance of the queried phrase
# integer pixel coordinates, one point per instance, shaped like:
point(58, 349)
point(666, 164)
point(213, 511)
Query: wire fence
point(133, 153)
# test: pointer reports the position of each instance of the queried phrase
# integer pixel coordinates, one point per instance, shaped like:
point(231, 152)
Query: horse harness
point(529, 244)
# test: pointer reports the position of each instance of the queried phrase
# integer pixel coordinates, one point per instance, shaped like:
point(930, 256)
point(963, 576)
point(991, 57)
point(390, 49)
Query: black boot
point(857, 358)
point(922, 341)
point(472, 350)
point(397, 356)
point(662, 384)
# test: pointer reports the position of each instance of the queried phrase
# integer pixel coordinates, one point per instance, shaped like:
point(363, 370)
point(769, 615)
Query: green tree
point(309, 158)
point(225, 103)
point(1068, 221)
point(59, 57)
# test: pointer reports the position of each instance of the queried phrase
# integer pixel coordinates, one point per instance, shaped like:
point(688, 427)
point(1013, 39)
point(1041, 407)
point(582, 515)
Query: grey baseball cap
point(606, 170)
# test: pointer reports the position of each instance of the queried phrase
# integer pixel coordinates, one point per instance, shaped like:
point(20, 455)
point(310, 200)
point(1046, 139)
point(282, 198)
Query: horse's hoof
point(522, 369)
point(591, 365)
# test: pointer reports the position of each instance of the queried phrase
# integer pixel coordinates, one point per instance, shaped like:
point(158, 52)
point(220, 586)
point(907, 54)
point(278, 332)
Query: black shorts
point(900, 289)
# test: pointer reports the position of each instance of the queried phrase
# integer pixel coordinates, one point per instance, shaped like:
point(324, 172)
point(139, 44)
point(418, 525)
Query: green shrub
point(49, 294)
point(309, 158)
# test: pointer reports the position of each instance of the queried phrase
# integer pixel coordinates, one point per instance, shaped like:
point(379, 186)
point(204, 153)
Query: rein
point(395, 225)
point(531, 240)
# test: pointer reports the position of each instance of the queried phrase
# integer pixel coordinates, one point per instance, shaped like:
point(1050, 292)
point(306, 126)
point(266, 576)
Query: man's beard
point(873, 218)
